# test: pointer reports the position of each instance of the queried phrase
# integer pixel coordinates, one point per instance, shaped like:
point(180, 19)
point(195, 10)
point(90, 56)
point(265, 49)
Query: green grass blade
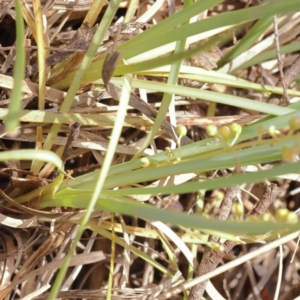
point(169, 23)
point(248, 40)
point(12, 119)
point(167, 97)
point(265, 56)
point(215, 77)
point(130, 207)
point(211, 96)
point(236, 179)
point(225, 19)
point(196, 150)
point(105, 23)
point(42, 155)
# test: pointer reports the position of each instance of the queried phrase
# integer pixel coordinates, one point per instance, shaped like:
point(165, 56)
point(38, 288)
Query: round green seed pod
point(181, 130)
point(266, 217)
point(292, 217)
point(289, 154)
point(237, 208)
point(216, 246)
point(235, 128)
point(272, 131)
point(281, 213)
point(295, 123)
point(212, 130)
point(219, 196)
point(145, 162)
point(225, 133)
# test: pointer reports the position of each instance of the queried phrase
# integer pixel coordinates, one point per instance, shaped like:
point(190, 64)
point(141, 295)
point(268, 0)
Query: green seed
point(212, 130)
point(181, 130)
point(225, 133)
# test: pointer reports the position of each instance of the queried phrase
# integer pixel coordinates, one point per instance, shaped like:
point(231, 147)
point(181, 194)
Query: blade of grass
point(42, 155)
point(133, 208)
point(197, 148)
point(213, 184)
point(211, 96)
point(41, 45)
point(167, 97)
point(94, 74)
point(42, 53)
point(214, 77)
point(171, 22)
point(137, 45)
point(84, 119)
point(60, 70)
point(28, 17)
point(248, 40)
point(131, 10)
point(199, 163)
point(14, 106)
point(105, 166)
point(67, 103)
point(294, 47)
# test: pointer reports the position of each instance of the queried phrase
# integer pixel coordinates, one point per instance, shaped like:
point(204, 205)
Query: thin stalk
point(12, 119)
point(107, 18)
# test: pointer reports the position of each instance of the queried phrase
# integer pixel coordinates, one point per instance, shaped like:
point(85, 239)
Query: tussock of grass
point(132, 175)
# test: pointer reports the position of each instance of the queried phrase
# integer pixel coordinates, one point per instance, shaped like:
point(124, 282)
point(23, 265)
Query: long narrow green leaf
point(126, 206)
point(98, 37)
point(215, 77)
point(41, 155)
point(248, 40)
point(225, 19)
point(12, 119)
point(294, 47)
point(212, 96)
point(219, 160)
point(167, 97)
point(196, 149)
point(169, 23)
point(236, 179)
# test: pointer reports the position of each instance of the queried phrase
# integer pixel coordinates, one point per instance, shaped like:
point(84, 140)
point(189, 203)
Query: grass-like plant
point(115, 188)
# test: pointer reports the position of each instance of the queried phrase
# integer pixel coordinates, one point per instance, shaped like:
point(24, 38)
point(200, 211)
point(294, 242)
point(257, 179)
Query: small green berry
point(281, 213)
point(266, 217)
point(235, 128)
point(181, 130)
point(145, 162)
point(273, 131)
point(225, 133)
point(219, 196)
point(212, 130)
point(237, 209)
point(216, 246)
point(292, 217)
point(295, 123)
point(289, 154)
